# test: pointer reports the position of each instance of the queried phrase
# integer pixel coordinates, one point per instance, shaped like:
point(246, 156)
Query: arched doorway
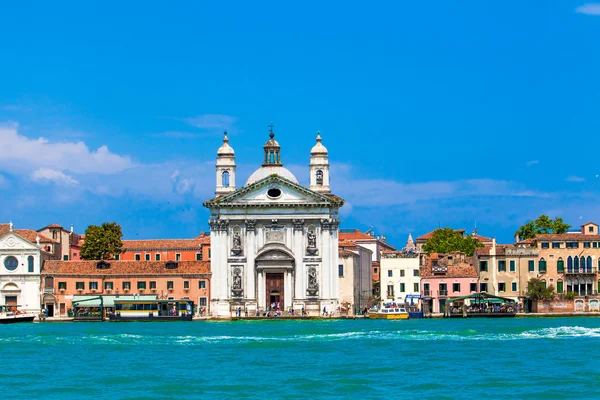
point(274, 267)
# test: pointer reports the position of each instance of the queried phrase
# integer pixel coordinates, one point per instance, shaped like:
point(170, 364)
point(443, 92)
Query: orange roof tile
point(163, 244)
point(347, 253)
point(356, 235)
point(575, 237)
point(454, 271)
point(57, 267)
point(27, 234)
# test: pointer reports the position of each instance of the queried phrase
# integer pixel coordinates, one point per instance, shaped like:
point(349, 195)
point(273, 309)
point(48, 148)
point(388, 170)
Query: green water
point(533, 358)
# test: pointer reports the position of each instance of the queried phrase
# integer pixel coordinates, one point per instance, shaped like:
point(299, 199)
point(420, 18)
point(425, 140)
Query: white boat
point(8, 316)
point(389, 310)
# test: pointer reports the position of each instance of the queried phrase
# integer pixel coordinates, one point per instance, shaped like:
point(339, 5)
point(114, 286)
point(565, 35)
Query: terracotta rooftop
point(57, 267)
point(164, 244)
point(454, 271)
point(500, 249)
point(347, 253)
point(346, 243)
point(27, 234)
point(576, 237)
point(356, 235)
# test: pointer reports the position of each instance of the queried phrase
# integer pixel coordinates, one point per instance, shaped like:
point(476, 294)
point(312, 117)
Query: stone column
point(299, 275)
point(288, 289)
point(250, 252)
point(261, 289)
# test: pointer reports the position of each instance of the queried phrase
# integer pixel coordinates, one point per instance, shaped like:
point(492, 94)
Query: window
point(556, 245)
point(483, 287)
point(152, 285)
point(202, 284)
point(66, 257)
point(501, 286)
point(590, 229)
point(531, 265)
point(198, 256)
point(402, 288)
point(341, 270)
point(483, 266)
point(74, 255)
point(147, 257)
point(545, 245)
point(11, 263)
point(415, 272)
point(319, 176)
point(117, 256)
point(502, 266)
point(79, 285)
point(472, 287)
point(209, 254)
point(108, 286)
point(560, 265)
point(225, 181)
point(126, 285)
point(30, 264)
point(53, 234)
point(157, 256)
point(62, 285)
point(186, 285)
point(141, 285)
point(416, 287)
point(572, 245)
point(559, 287)
point(137, 257)
point(595, 245)
point(375, 270)
point(514, 286)
point(169, 285)
point(401, 273)
point(456, 287)
point(512, 266)
point(390, 290)
point(177, 257)
point(542, 265)
point(390, 273)
point(587, 245)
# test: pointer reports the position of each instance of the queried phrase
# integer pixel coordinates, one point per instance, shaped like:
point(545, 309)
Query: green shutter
point(512, 266)
point(531, 266)
point(559, 287)
point(560, 266)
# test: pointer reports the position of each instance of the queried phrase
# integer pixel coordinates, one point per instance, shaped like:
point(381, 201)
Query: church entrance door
point(274, 289)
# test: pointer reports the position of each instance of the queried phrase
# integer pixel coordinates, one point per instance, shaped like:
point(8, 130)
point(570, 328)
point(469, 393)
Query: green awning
point(107, 300)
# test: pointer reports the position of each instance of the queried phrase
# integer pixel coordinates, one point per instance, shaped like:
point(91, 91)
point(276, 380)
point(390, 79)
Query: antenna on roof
point(369, 231)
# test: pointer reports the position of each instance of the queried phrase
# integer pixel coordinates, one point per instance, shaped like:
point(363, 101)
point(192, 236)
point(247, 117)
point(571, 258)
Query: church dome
point(264, 172)
point(318, 149)
point(225, 149)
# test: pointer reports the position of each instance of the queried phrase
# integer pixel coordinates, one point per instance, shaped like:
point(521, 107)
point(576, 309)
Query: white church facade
point(274, 242)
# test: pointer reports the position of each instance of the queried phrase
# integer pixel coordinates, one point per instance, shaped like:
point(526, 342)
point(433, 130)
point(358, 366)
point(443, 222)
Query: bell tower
point(319, 167)
point(225, 168)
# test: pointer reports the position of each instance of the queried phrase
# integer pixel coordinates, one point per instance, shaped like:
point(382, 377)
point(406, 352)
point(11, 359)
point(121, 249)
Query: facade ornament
point(10, 226)
point(325, 224)
point(237, 244)
point(237, 289)
point(250, 225)
point(313, 285)
point(298, 225)
point(311, 249)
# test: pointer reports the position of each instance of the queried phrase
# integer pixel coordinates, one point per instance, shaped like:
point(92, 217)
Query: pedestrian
point(246, 311)
point(303, 311)
point(324, 311)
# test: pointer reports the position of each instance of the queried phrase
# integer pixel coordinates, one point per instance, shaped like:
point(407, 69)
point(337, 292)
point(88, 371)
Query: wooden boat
point(8, 316)
point(152, 310)
point(389, 310)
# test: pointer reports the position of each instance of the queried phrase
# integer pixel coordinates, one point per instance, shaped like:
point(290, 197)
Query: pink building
point(445, 276)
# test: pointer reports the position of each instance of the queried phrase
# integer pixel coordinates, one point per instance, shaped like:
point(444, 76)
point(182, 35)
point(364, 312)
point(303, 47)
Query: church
point(274, 242)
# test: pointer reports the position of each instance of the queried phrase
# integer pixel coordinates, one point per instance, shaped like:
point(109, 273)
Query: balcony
point(49, 290)
point(443, 293)
point(426, 293)
point(581, 271)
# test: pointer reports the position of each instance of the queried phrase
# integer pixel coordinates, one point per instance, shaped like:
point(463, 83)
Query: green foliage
point(447, 240)
point(537, 290)
point(542, 225)
point(102, 242)
point(570, 296)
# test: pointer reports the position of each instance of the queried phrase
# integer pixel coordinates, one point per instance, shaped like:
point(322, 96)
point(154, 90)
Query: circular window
point(274, 193)
point(11, 263)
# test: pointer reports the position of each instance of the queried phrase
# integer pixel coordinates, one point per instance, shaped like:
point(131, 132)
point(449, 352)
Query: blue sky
point(434, 113)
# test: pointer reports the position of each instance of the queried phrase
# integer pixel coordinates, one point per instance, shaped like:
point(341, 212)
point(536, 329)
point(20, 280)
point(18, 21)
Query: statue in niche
point(313, 285)
point(236, 287)
point(312, 243)
point(237, 244)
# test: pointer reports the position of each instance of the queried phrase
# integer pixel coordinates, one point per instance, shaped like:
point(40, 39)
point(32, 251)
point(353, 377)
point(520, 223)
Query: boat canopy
point(483, 298)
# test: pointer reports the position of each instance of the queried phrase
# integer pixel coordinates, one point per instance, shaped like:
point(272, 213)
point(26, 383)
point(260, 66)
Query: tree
point(102, 242)
point(537, 290)
point(543, 224)
point(447, 240)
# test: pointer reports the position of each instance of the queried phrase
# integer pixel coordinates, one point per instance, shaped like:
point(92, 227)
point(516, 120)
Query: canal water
point(533, 358)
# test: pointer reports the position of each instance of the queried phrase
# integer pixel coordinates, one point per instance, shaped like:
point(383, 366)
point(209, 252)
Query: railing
point(426, 293)
point(580, 270)
point(443, 292)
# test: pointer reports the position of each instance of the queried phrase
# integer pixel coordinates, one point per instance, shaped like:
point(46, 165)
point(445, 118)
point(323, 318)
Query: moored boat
point(152, 310)
point(389, 310)
point(9, 316)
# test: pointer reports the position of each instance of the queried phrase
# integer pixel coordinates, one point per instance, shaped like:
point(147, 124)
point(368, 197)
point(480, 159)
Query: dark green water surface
point(533, 358)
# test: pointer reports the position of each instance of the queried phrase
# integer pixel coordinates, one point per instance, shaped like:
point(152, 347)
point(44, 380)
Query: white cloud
point(532, 162)
point(58, 177)
point(589, 9)
point(22, 155)
point(212, 121)
point(574, 178)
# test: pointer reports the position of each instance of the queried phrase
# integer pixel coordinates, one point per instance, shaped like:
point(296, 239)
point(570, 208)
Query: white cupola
point(225, 168)
point(319, 167)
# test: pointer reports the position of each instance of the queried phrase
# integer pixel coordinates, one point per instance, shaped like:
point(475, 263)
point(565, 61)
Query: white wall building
point(400, 274)
point(21, 258)
point(354, 272)
point(274, 240)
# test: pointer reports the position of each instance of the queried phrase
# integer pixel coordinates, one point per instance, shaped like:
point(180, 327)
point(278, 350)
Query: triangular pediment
point(273, 191)
point(11, 241)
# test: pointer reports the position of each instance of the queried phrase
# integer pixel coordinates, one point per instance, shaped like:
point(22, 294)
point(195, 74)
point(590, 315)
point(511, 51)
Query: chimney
point(517, 238)
point(72, 229)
